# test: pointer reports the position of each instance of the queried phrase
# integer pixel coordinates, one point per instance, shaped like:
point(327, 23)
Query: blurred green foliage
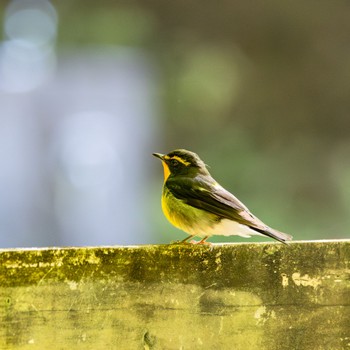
point(261, 90)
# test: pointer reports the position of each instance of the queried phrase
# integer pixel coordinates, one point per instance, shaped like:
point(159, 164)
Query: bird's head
point(181, 162)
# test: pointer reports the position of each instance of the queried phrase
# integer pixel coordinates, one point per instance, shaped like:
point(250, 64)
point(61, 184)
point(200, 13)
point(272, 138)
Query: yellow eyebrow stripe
point(179, 159)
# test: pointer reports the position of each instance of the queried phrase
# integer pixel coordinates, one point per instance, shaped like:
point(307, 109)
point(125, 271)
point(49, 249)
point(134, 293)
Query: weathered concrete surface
point(232, 296)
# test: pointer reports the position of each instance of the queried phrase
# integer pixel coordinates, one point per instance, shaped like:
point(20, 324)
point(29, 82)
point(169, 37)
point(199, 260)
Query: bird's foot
point(184, 241)
point(179, 242)
point(201, 242)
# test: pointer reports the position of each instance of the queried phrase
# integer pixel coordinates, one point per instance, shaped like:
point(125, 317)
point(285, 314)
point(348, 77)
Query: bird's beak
point(159, 155)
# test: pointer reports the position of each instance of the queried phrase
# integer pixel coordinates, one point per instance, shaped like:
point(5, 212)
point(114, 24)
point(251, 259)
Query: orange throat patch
point(166, 170)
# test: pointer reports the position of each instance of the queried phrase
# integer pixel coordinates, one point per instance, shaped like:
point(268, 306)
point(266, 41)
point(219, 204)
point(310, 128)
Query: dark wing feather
point(211, 197)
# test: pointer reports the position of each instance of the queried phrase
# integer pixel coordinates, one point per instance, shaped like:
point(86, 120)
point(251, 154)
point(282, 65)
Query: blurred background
point(88, 90)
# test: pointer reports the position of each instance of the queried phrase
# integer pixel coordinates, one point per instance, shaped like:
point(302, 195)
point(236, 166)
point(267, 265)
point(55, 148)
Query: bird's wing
point(211, 197)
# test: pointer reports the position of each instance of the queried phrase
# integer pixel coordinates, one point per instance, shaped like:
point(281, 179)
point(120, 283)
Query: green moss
point(242, 296)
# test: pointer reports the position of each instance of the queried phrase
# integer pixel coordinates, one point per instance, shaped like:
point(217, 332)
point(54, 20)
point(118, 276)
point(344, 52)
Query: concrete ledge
point(232, 296)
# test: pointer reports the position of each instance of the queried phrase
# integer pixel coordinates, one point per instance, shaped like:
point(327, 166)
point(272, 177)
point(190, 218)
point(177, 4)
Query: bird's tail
point(272, 233)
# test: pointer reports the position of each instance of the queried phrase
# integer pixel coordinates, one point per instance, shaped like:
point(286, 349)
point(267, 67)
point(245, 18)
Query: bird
point(194, 202)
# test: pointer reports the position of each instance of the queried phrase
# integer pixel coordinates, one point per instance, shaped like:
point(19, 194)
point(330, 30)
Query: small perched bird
point(195, 203)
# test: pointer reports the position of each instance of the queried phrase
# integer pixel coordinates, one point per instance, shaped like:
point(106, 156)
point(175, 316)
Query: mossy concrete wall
point(231, 296)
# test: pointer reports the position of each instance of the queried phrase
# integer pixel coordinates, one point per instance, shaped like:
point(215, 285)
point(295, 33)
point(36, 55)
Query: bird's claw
point(201, 242)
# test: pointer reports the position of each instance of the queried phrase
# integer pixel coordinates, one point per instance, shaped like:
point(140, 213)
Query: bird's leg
point(203, 241)
point(187, 238)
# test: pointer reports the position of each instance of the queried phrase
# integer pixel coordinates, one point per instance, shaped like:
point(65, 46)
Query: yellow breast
point(170, 207)
point(166, 209)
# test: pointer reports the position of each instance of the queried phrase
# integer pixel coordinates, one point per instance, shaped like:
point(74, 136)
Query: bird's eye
point(174, 163)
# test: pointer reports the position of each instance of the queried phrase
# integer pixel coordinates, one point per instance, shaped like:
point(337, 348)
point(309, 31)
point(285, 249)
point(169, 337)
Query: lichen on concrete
point(242, 296)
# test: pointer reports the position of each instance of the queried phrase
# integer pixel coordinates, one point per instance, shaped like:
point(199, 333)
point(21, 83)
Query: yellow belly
point(169, 211)
point(185, 217)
